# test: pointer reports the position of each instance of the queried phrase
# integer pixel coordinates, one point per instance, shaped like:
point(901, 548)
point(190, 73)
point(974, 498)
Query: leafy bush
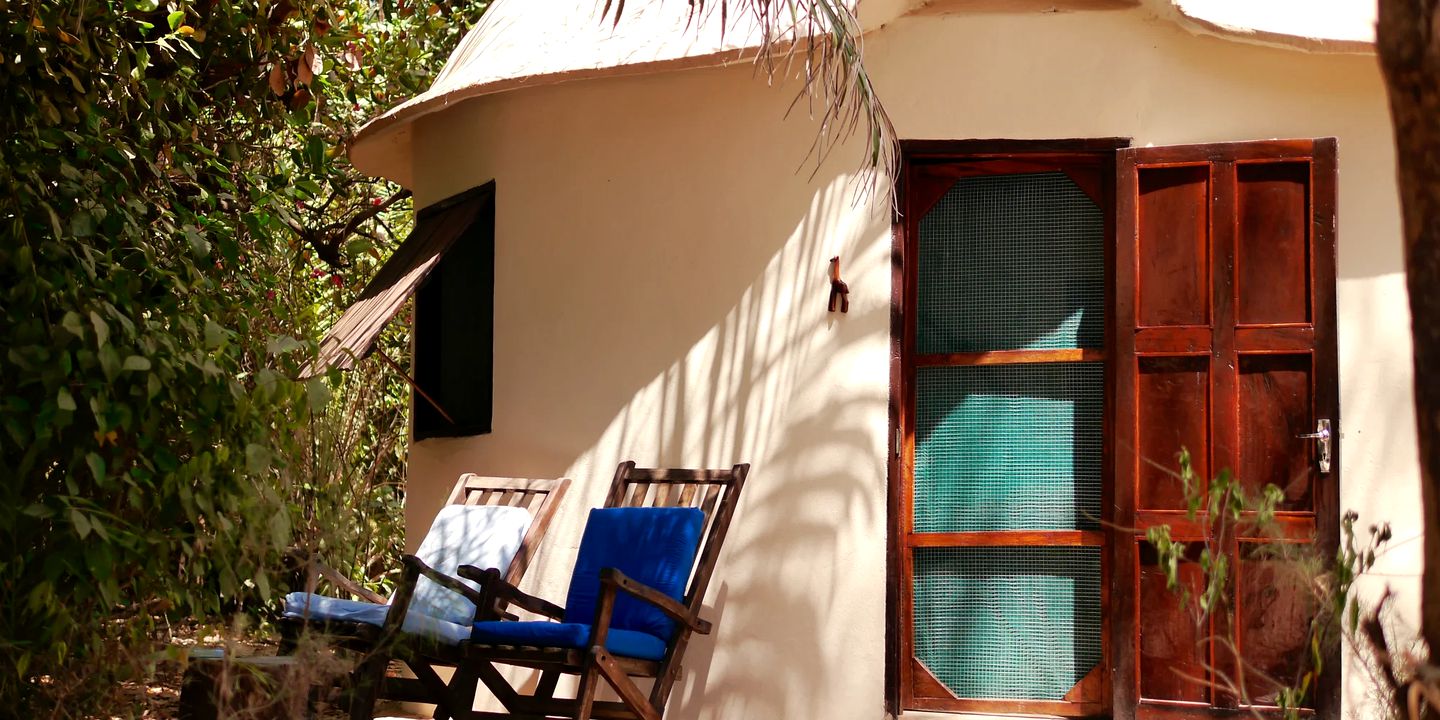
point(1323, 582)
point(176, 213)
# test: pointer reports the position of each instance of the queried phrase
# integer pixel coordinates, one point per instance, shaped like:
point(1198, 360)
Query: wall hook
point(838, 289)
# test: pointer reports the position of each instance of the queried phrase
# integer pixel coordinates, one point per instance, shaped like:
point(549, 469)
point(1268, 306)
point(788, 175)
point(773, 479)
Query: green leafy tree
point(179, 224)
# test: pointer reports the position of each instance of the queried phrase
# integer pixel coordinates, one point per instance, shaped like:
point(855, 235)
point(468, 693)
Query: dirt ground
point(158, 696)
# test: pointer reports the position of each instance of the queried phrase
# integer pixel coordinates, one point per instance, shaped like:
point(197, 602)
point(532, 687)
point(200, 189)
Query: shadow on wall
point(790, 577)
point(661, 275)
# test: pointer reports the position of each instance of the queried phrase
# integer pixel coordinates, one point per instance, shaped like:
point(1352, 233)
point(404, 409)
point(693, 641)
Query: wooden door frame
point(901, 440)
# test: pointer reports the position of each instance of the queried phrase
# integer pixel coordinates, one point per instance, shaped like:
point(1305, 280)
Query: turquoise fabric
point(628, 643)
point(653, 546)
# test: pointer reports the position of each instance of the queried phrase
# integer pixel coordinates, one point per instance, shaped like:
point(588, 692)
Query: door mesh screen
point(1011, 622)
point(1011, 262)
point(1008, 447)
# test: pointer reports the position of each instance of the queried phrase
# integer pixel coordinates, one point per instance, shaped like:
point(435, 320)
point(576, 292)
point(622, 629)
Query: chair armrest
point(668, 605)
point(314, 567)
point(418, 566)
point(506, 593)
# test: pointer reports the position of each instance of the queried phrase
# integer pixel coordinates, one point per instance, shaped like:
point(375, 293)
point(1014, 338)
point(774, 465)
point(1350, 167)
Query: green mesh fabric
point(1008, 447)
point(1011, 262)
point(1013, 623)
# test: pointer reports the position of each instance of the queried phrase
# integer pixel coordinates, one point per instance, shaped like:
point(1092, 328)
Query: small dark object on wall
point(838, 289)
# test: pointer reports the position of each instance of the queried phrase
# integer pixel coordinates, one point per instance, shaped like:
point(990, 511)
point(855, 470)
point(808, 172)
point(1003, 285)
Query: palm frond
point(824, 36)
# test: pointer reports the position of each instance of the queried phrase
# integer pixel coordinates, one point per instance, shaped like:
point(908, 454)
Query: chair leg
point(458, 698)
point(585, 694)
point(546, 687)
point(365, 686)
point(289, 638)
point(434, 687)
point(604, 663)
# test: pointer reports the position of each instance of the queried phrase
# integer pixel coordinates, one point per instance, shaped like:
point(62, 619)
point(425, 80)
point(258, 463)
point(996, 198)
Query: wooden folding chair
point(378, 643)
point(600, 648)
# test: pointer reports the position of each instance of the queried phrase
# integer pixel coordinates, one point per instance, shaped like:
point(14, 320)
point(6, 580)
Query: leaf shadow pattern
point(699, 338)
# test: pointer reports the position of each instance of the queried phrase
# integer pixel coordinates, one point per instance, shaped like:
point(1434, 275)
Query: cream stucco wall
point(661, 255)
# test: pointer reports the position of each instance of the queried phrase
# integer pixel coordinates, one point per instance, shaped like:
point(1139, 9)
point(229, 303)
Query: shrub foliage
point(179, 224)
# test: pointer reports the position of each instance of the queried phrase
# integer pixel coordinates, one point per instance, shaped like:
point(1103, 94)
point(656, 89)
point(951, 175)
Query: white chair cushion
point(309, 606)
point(485, 536)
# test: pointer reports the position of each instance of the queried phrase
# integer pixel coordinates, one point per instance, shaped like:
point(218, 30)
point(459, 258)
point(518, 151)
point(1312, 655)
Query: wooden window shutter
point(455, 330)
point(1224, 343)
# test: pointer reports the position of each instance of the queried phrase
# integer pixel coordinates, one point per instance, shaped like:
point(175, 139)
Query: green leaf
point(214, 334)
point(64, 400)
point(102, 330)
point(136, 363)
point(175, 19)
point(282, 345)
point(109, 362)
point(318, 394)
point(71, 323)
point(257, 459)
point(54, 218)
point(198, 244)
point(280, 529)
point(267, 380)
point(97, 466)
point(315, 153)
point(82, 224)
point(80, 523)
point(142, 59)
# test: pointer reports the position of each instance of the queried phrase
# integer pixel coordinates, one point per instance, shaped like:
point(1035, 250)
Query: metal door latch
point(1323, 438)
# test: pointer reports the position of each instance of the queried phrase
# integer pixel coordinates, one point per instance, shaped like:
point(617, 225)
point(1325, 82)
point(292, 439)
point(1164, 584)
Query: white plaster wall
point(661, 257)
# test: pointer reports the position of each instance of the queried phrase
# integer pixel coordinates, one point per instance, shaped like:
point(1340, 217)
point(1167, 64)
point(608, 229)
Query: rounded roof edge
point(1319, 26)
point(526, 43)
point(382, 146)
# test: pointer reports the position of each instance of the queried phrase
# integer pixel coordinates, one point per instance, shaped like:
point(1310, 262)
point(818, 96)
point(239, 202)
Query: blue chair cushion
point(628, 643)
point(312, 607)
point(654, 546)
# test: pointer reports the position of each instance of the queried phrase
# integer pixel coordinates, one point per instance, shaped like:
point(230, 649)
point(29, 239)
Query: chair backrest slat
point(541, 497)
point(687, 496)
point(712, 496)
point(638, 493)
point(717, 492)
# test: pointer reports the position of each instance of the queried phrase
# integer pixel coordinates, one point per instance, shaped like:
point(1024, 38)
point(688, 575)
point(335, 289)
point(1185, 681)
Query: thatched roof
point(523, 43)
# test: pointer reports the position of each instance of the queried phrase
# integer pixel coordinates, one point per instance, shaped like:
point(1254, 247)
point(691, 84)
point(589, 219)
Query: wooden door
point(1224, 344)
point(1002, 458)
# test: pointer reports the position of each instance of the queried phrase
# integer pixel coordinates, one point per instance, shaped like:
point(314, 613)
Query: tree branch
point(327, 241)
